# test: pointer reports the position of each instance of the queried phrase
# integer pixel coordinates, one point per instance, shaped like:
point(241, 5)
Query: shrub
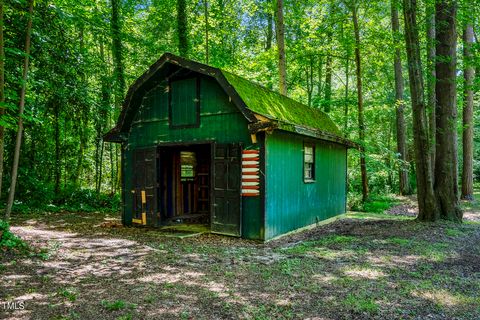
point(9, 241)
point(375, 203)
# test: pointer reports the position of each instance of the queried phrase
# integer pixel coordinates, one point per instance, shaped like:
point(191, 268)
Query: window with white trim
point(309, 163)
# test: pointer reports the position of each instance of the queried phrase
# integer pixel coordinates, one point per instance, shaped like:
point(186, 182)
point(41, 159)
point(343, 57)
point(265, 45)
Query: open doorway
point(189, 184)
point(185, 183)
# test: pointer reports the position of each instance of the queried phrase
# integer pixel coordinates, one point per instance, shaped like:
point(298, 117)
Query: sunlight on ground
point(441, 297)
point(366, 273)
point(372, 266)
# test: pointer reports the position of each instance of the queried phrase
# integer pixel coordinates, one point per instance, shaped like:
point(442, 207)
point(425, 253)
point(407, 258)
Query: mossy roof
point(275, 106)
point(251, 99)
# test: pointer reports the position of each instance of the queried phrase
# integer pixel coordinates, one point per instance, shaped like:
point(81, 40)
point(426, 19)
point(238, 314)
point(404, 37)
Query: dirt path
point(72, 260)
point(409, 207)
point(356, 268)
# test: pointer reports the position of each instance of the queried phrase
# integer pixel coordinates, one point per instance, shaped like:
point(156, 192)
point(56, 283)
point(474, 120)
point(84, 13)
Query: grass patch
point(374, 215)
point(117, 305)
point(68, 294)
point(327, 241)
point(127, 316)
point(361, 304)
point(374, 204)
point(453, 232)
point(400, 241)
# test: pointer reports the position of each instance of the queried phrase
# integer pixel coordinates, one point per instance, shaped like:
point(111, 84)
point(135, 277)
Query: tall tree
point(280, 32)
point(269, 38)
point(117, 51)
point(309, 71)
point(21, 108)
point(345, 111)
point(361, 121)
point(119, 74)
point(399, 103)
point(207, 29)
point(426, 200)
point(2, 94)
point(469, 75)
point(446, 162)
point(182, 28)
point(328, 76)
point(431, 99)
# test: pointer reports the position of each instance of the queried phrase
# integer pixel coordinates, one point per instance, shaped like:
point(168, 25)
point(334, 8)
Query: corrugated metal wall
point(292, 203)
point(220, 121)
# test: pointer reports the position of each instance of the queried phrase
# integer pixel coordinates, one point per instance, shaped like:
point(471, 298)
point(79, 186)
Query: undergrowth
point(69, 199)
point(374, 204)
point(10, 242)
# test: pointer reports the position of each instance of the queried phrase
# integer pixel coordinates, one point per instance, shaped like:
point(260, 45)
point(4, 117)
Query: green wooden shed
point(202, 145)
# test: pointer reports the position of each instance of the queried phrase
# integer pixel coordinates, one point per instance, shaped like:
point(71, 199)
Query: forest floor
point(366, 266)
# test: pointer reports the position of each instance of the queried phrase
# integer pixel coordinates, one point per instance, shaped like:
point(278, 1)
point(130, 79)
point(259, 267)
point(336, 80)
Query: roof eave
point(317, 133)
point(114, 136)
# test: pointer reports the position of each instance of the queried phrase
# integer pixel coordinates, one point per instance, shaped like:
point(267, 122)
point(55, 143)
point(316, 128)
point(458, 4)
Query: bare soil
point(355, 268)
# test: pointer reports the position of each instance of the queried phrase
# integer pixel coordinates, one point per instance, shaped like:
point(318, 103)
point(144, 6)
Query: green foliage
point(68, 294)
point(375, 204)
point(114, 305)
point(361, 304)
point(9, 241)
point(39, 196)
point(400, 241)
point(117, 305)
point(72, 85)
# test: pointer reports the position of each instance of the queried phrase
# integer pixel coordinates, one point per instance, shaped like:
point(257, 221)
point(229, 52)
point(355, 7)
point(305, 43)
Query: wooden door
point(145, 186)
point(226, 204)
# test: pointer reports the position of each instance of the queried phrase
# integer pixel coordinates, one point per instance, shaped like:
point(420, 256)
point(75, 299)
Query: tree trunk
point(431, 99)
point(426, 200)
point(2, 94)
point(268, 44)
point(58, 167)
point(399, 104)
point(280, 31)
point(469, 76)
point(102, 116)
point(21, 108)
point(446, 168)
point(328, 77)
point(309, 79)
point(112, 168)
point(117, 49)
point(361, 122)
point(83, 115)
point(388, 159)
point(182, 28)
point(345, 115)
point(320, 76)
point(100, 173)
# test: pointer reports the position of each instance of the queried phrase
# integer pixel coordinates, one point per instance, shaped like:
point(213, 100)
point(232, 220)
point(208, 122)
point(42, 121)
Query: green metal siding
point(290, 202)
point(220, 121)
point(183, 102)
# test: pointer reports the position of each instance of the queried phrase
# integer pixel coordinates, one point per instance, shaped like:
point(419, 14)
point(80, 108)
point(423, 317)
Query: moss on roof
point(274, 105)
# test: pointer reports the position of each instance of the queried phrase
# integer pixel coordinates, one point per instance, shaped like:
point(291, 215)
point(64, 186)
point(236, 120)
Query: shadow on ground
point(356, 268)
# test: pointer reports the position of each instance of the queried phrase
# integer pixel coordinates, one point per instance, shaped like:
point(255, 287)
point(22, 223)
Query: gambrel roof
point(264, 109)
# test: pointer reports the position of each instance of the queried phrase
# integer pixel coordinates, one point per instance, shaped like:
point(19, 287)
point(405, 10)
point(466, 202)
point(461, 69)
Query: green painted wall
point(290, 202)
point(220, 121)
